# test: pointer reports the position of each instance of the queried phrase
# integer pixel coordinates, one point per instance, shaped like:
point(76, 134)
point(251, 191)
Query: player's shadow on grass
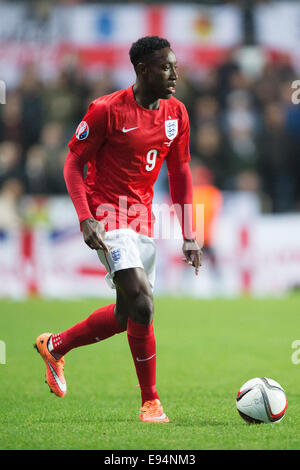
point(198, 422)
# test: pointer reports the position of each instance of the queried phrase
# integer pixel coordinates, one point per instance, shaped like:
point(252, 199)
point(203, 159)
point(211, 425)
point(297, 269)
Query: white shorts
point(128, 249)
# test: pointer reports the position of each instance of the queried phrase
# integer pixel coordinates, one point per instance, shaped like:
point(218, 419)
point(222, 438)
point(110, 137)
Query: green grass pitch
point(206, 350)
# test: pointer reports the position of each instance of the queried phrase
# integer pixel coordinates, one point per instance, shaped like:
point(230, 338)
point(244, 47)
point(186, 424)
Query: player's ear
point(141, 68)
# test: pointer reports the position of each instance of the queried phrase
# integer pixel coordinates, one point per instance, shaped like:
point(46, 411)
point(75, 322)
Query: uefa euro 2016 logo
point(2, 353)
point(82, 131)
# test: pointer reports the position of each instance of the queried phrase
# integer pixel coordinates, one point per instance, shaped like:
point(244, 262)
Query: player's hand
point(193, 254)
point(94, 234)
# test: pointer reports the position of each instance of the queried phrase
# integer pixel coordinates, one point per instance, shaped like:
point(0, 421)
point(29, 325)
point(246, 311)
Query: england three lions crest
point(171, 128)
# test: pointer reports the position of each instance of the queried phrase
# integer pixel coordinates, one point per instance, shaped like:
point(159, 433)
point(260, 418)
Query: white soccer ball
point(261, 400)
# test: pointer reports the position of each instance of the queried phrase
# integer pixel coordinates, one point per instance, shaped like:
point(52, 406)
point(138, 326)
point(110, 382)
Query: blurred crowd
point(244, 129)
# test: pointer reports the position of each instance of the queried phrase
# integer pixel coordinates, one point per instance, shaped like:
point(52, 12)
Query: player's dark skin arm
point(94, 234)
point(192, 253)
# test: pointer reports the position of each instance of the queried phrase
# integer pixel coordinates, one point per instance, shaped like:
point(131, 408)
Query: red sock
point(98, 326)
point(143, 349)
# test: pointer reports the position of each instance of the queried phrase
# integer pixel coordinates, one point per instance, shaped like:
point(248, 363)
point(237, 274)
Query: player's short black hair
point(145, 46)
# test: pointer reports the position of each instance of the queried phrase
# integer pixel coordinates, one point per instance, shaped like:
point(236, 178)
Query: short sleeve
point(91, 132)
point(180, 149)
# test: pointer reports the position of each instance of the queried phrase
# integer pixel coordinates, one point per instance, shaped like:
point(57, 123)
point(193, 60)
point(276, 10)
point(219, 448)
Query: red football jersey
point(125, 146)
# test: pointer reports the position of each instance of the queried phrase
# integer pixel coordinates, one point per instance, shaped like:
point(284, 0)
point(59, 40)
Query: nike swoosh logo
point(63, 387)
point(147, 359)
point(128, 130)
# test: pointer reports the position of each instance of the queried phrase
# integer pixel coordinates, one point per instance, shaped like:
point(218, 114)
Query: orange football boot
point(152, 412)
point(54, 368)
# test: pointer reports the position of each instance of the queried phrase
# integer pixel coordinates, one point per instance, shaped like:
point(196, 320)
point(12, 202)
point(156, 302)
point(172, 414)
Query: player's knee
point(143, 308)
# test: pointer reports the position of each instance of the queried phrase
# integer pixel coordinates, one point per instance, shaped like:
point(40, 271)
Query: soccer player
point(124, 138)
